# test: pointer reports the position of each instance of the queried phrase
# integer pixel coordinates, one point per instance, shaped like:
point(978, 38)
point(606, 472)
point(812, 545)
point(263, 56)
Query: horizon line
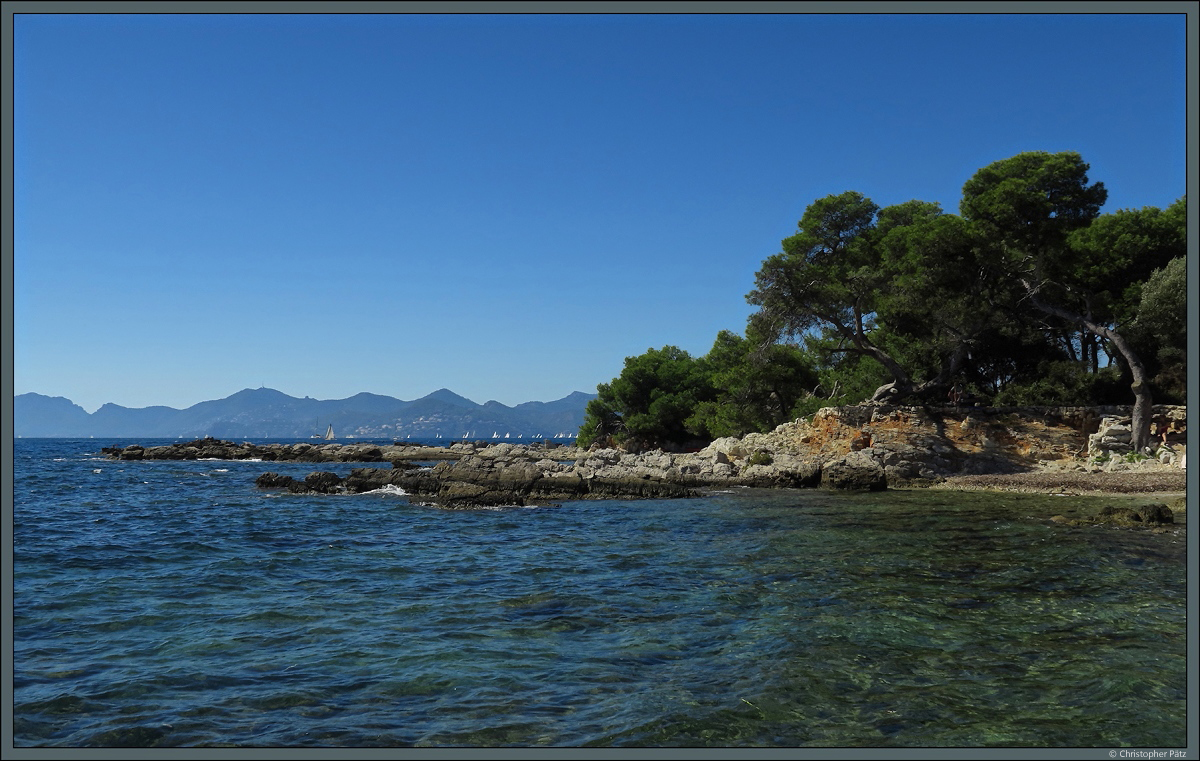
point(301, 398)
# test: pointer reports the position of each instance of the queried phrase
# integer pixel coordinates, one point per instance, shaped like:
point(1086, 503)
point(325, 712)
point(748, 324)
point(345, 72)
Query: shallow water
point(174, 604)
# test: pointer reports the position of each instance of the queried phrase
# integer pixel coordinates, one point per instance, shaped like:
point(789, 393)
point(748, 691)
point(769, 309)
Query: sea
point(174, 604)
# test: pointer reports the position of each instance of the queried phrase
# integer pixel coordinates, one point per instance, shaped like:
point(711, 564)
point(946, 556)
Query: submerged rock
point(1145, 515)
point(1155, 516)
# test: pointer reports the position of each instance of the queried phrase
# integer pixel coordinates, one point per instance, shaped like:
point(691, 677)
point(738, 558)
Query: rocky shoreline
point(867, 447)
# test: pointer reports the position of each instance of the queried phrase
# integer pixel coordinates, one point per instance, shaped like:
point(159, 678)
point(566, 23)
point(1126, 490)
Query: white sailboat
point(328, 433)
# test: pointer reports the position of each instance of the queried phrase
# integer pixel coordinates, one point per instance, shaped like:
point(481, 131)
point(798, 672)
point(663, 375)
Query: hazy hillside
point(267, 413)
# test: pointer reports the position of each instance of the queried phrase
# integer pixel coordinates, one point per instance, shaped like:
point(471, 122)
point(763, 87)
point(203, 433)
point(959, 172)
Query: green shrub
point(761, 457)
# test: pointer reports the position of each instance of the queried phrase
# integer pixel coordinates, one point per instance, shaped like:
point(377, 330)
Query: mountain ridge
point(268, 413)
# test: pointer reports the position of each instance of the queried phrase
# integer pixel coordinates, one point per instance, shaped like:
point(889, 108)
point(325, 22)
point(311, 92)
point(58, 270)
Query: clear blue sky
point(507, 206)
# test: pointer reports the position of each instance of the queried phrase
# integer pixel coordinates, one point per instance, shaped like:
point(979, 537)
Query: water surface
point(174, 604)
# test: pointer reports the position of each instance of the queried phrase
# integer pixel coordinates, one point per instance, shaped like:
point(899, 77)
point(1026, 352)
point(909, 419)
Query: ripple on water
point(195, 616)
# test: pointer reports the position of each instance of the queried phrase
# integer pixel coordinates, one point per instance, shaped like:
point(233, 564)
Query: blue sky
point(507, 206)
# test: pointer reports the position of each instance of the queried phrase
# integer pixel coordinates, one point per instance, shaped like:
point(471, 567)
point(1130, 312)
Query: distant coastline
point(267, 413)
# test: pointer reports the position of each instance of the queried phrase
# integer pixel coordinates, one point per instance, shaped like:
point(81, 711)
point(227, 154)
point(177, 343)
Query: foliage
point(826, 276)
point(1162, 309)
point(602, 423)
point(1062, 383)
point(1161, 329)
point(1108, 260)
point(649, 404)
point(1032, 201)
point(761, 457)
point(757, 383)
point(1008, 356)
point(842, 378)
point(867, 277)
point(666, 398)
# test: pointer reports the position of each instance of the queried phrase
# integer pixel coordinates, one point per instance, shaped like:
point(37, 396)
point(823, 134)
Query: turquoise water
point(174, 604)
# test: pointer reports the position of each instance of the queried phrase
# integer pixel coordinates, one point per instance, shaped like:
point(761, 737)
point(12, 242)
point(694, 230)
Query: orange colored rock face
point(1023, 435)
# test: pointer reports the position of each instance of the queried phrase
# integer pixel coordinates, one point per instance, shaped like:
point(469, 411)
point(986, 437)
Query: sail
point(329, 432)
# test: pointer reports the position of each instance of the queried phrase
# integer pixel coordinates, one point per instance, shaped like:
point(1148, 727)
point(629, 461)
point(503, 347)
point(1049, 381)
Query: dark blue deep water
point(174, 604)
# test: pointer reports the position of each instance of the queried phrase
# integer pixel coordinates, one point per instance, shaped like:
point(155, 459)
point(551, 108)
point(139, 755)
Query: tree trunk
point(903, 387)
point(1068, 342)
point(900, 388)
point(890, 393)
point(1142, 401)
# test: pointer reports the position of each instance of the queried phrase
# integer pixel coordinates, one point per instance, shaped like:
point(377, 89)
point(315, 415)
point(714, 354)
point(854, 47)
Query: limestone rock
point(856, 471)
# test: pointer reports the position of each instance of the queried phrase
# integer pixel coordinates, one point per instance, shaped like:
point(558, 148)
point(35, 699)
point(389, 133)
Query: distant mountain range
point(267, 413)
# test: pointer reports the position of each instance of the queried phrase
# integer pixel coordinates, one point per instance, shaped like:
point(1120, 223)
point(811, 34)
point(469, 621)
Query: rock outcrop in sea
point(1155, 517)
point(477, 481)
